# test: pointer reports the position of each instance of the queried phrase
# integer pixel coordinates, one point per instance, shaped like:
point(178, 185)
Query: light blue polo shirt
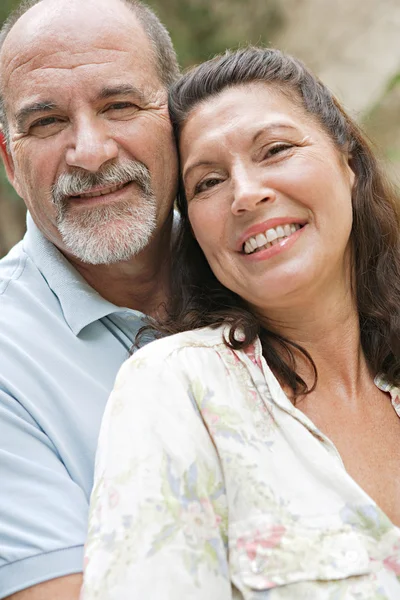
point(61, 345)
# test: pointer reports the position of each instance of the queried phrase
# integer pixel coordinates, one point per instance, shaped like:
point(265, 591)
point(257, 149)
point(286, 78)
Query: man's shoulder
point(19, 276)
point(28, 306)
point(12, 266)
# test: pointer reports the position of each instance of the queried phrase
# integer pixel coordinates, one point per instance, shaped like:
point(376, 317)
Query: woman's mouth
point(269, 238)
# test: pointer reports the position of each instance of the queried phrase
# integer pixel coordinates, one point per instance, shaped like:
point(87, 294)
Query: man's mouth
point(101, 191)
point(269, 238)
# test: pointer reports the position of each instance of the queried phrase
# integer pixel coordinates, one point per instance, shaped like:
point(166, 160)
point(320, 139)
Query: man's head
point(89, 143)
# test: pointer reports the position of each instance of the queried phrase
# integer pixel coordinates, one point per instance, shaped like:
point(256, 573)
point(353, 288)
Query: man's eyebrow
point(109, 92)
point(26, 111)
point(121, 90)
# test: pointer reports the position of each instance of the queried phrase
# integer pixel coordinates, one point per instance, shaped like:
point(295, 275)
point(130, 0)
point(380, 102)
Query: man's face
point(91, 149)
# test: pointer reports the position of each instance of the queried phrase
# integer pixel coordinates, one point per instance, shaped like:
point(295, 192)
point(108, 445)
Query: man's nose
point(92, 146)
point(249, 191)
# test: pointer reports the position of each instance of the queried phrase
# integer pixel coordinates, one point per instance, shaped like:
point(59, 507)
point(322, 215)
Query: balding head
point(85, 101)
point(34, 18)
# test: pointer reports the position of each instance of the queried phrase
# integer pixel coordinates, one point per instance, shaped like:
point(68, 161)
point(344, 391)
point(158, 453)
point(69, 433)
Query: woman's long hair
point(200, 300)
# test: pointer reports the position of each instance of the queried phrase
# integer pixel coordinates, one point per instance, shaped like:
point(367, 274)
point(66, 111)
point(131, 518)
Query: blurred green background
point(353, 45)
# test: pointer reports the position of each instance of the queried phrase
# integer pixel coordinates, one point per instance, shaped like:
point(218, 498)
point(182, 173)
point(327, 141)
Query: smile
point(269, 238)
point(102, 192)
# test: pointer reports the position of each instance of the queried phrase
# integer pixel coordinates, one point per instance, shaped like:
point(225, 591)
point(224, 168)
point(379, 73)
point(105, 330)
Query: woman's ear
point(350, 168)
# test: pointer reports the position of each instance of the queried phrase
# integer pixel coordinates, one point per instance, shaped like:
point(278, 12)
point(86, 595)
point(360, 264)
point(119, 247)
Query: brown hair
point(165, 55)
point(201, 300)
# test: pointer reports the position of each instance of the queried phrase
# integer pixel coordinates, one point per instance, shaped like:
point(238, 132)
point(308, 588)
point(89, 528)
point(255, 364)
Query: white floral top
point(211, 485)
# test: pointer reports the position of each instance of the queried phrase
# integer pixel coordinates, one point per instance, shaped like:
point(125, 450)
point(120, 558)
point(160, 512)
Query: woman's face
point(269, 196)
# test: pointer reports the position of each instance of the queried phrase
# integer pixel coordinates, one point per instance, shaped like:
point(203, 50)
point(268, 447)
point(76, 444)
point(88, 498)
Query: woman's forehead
point(248, 108)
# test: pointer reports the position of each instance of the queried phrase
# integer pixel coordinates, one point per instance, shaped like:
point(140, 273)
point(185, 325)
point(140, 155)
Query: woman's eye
point(206, 184)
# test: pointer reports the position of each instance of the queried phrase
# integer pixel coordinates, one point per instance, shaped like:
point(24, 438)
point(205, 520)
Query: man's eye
point(121, 106)
point(278, 148)
point(120, 111)
point(46, 126)
point(45, 122)
point(207, 184)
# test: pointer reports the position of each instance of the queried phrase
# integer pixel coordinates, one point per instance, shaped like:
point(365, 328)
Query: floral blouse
point(211, 485)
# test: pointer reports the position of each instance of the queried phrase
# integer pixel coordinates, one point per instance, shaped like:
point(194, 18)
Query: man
point(89, 147)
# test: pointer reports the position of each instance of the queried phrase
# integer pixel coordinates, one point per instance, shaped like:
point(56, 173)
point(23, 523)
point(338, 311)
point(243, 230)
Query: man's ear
point(6, 158)
point(7, 161)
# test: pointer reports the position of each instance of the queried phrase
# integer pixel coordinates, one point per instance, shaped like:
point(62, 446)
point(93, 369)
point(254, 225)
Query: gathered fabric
point(211, 485)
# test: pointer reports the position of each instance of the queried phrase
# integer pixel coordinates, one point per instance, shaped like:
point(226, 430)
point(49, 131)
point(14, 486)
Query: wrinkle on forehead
point(232, 127)
point(227, 114)
point(41, 51)
point(109, 27)
point(59, 63)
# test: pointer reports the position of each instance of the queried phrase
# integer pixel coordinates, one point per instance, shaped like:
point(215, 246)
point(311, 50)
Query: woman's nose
point(249, 193)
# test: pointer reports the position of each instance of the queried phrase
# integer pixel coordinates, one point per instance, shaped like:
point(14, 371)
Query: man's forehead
point(63, 25)
point(46, 14)
point(40, 43)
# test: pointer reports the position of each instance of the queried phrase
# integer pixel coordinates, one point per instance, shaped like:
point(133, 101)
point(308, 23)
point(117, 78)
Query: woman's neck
point(329, 330)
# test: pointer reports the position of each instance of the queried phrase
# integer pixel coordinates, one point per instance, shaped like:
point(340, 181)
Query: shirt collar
point(80, 303)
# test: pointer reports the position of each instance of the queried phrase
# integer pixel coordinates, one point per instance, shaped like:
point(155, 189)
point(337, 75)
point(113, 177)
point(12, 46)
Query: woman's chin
point(294, 289)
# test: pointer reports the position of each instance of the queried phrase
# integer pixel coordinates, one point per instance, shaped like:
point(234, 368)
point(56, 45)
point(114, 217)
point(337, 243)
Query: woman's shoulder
point(178, 361)
point(164, 348)
point(176, 350)
point(196, 355)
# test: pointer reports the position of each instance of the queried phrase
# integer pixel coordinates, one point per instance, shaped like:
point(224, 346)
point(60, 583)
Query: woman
point(255, 454)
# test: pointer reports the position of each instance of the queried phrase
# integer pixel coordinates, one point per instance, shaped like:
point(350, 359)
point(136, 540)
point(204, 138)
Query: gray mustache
point(79, 182)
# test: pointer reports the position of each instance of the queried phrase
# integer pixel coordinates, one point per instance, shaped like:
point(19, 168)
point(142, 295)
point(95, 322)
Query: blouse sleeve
point(157, 525)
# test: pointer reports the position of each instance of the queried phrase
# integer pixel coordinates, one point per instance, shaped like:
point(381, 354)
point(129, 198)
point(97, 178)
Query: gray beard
point(106, 234)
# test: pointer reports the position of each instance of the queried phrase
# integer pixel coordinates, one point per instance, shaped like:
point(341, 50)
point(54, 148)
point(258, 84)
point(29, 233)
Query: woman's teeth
point(271, 237)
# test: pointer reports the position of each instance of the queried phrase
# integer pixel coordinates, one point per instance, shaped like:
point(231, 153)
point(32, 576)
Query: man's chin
point(106, 245)
point(100, 252)
point(109, 234)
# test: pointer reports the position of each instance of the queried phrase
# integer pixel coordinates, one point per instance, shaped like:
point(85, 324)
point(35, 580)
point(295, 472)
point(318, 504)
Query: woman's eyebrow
point(271, 127)
point(199, 163)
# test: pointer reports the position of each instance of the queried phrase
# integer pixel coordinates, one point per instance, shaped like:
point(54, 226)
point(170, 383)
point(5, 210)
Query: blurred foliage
point(199, 29)
point(202, 28)
point(5, 8)
point(12, 211)
point(382, 122)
